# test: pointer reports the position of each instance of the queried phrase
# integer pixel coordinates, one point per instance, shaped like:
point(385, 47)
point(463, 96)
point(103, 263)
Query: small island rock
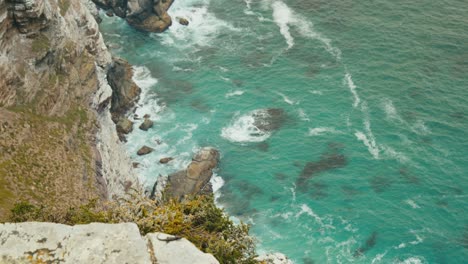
point(147, 124)
point(165, 160)
point(144, 150)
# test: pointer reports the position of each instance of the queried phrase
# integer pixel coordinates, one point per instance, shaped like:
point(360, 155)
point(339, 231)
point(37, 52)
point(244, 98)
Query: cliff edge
point(94, 243)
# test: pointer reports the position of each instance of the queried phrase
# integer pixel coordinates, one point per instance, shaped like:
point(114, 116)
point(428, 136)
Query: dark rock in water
point(124, 126)
point(197, 175)
point(183, 21)
point(370, 243)
point(165, 160)
point(135, 165)
point(269, 119)
point(144, 150)
point(147, 124)
point(326, 162)
point(146, 116)
point(380, 183)
point(109, 13)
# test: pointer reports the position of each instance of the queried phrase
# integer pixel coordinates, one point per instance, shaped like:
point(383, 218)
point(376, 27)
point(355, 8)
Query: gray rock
point(165, 160)
point(124, 126)
point(183, 21)
point(54, 243)
point(147, 124)
point(177, 251)
point(144, 150)
point(197, 175)
point(93, 243)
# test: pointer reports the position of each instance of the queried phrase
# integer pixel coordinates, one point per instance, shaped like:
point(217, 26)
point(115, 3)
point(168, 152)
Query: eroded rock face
point(30, 15)
point(125, 91)
point(196, 177)
point(145, 15)
point(93, 243)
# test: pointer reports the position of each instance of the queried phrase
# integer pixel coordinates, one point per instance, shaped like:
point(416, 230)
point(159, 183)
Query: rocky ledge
point(94, 243)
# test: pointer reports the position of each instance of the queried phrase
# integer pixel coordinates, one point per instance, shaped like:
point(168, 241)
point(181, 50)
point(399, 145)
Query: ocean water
point(370, 165)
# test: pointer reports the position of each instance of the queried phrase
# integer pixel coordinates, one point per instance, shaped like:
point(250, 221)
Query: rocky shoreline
point(64, 103)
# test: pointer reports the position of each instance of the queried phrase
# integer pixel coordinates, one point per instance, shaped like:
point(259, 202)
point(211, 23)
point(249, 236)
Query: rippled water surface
point(367, 163)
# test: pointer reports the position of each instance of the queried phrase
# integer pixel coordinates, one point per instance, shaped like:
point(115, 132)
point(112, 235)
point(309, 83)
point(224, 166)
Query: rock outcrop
point(196, 178)
point(144, 151)
point(93, 243)
point(145, 15)
point(124, 90)
point(269, 119)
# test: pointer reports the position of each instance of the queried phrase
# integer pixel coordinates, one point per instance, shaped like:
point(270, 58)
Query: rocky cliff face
point(57, 141)
point(146, 15)
point(94, 243)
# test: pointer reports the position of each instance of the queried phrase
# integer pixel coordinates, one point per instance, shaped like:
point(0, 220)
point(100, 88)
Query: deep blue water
point(370, 165)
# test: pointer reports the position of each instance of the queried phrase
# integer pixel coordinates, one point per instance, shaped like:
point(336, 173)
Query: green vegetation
point(40, 44)
point(197, 219)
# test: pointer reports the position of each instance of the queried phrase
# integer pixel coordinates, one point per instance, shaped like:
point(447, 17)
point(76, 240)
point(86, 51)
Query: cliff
point(58, 143)
point(94, 243)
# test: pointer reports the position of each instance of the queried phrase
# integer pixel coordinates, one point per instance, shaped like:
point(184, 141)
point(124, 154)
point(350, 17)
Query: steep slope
point(58, 144)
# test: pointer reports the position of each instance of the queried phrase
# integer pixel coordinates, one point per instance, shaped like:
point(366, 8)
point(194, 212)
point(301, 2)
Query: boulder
point(124, 126)
point(147, 124)
point(193, 180)
point(183, 21)
point(165, 160)
point(144, 150)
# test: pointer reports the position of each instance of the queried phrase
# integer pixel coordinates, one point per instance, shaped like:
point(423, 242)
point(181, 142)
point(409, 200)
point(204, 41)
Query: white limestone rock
point(177, 251)
point(54, 243)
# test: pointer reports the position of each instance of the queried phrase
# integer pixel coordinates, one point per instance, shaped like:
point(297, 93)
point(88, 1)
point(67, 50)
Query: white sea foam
point(390, 109)
point(203, 26)
point(189, 128)
point(303, 115)
point(286, 99)
point(142, 77)
point(411, 260)
point(368, 137)
point(420, 128)
point(316, 92)
point(234, 93)
point(352, 88)
point(243, 129)
point(283, 16)
point(379, 257)
point(412, 204)
point(319, 131)
point(217, 182)
point(307, 210)
point(393, 154)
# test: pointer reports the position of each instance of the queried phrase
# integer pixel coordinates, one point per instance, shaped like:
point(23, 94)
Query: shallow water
point(369, 164)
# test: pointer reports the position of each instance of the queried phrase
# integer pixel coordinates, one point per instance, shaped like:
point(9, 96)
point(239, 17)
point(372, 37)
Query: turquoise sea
point(370, 164)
